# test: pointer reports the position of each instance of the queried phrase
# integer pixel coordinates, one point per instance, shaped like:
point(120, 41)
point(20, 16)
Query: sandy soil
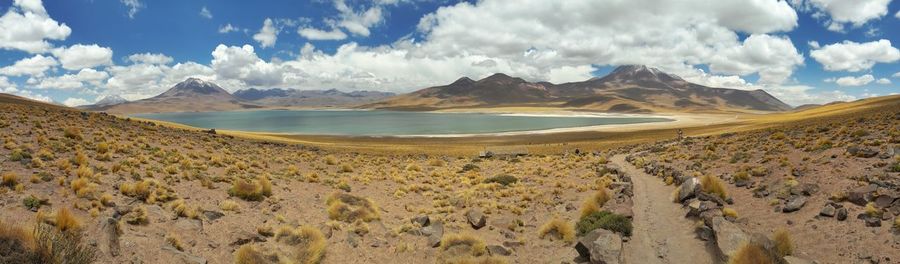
point(661, 233)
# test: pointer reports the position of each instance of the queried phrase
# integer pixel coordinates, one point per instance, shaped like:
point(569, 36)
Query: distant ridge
point(191, 95)
point(629, 88)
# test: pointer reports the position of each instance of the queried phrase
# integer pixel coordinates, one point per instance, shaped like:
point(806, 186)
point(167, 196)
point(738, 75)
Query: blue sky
point(802, 51)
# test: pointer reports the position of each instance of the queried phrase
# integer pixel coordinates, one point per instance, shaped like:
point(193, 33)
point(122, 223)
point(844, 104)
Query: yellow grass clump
point(251, 190)
point(66, 221)
point(713, 185)
point(9, 179)
point(229, 205)
point(595, 202)
point(728, 211)
point(558, 229)
point(784, 245)
point(348, 208)
point(750, 254)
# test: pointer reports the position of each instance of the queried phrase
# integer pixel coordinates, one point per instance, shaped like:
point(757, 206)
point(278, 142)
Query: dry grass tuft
point(9, 179)
point(558, 229)
point(713, 185)
point(784, 245)
point(728, 211)
point(462, 245)
point(750, 254)
point(249, 254)
point(173, 240)
point(348, 208)
point(595, 202)
point(66, 221)
point(251, 190)
point(229, 205)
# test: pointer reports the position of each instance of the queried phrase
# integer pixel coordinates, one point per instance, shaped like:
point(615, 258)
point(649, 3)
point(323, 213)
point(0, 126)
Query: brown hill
point(191, 95)
point(632, 88)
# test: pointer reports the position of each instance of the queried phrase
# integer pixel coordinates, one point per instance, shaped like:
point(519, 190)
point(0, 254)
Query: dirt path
point(661, 233)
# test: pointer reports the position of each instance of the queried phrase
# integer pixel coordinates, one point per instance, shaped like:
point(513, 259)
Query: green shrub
point(503, 179)
point(606, 220)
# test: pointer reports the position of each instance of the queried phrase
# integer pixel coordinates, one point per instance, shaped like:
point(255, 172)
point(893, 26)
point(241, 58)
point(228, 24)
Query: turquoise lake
point(384, 123)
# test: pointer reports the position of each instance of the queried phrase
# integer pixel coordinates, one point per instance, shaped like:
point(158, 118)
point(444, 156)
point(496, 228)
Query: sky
point(76, 52)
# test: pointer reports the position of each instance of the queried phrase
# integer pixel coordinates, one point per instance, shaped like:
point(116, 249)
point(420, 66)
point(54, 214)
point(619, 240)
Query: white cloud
point(316, 34)
point(855, 81)
point(74, 81)
point(267, 34)
point(854, 57)
point(34, 66)
point(133, 7)
point(26, 26)
point(242, 63)
point(150, 58)
point(774, 58)
point(228, 28)
point(883, 81)
point(204, 12)
point(814, 44)
point(358, 23)
point(796, 95)
point(80, 56)
point(142, 80)
point(896, 75)
point(72, 101)
point(837, 13)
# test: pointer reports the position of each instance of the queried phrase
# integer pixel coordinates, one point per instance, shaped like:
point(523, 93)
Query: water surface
point(385, 123)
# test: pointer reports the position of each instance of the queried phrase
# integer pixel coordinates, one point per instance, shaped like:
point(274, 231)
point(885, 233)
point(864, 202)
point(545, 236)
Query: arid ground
point(817, 185)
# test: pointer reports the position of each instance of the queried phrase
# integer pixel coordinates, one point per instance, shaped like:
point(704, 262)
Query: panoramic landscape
point(486, 131)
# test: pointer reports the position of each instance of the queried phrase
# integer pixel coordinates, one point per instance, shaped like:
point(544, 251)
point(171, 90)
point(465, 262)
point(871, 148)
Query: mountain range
point(631, 88)
point(310, 98)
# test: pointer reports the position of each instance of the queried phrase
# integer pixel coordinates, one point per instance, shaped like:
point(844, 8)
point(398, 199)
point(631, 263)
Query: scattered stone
point(498, 250)
point(422, 220)
point(213, 215)
point(693, 208)
point(827, 211)
point(807, 189)
point(862, 195)
point(112, 230)
point(600, 246)
point(513, 244)
point(872, 221)
point(794, 204)
point(353, 239)
point(435, 232)
point(841, 214)
point(704, 233)
point(862, 152)
point(689, 188)
point(729, 237)
point(476, 218)
point(883, 201)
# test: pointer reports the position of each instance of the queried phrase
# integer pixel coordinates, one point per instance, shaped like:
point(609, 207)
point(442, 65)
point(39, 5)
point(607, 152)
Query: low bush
point(348, 208)
point(713, 185)
point(605, 220)
point(750, 254)
point(784, 245)
point(558, 229)
point(503, 179)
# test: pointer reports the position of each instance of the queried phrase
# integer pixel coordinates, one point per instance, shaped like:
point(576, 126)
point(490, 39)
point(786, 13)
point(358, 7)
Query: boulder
point(794, 203)
point(688, 189)
point(704, 233)
point(693, 208)
point(422, 220)
point(476, 218)
point(112, 230)
point(827, 211)
point(184, 256)
point(212, 215)
point(805, 189)
point(862, 152)
point(435, 232)
point(729, 237)
point(600, 246)
point(498, 250)
point(841, 214)
point(884, 201)
point(862, 195)
point(872, 221)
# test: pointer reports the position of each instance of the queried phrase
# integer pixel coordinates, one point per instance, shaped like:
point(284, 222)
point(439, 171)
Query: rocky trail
point(661, 233)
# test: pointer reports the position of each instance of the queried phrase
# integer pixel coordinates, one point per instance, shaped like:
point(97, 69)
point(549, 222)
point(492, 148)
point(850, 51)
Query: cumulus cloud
point(855, 81)
point(854, 57)
point(774, 58)
point(35, 66)
point(73, 101)
point(26, 26)
point(317, 34)
point(141, 80)
point(228, 28)
point(838, 13)
point(150, 58)
point(267, 34)
point(133, 7)
point(883, 81)
point(74, 81)
point(80, 56)
point(204, 12)
point(242, 63)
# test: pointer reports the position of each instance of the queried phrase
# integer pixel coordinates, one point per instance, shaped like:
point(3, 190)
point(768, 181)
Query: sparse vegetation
point(349, 208)
point(558, 229)
point(594, 203)
point(605, 220)
point(503, 179)
point(713, 185)
point(784, 245)
point(750, 254)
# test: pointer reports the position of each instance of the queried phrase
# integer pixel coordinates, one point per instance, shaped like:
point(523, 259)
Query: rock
point(694, 208)
point(704, 233)
point(353, 239)
point(807, 189)
point(476, 218)
point(242, 237)
point(729, 237)
point(862, 152)
point(860, 196)
point(827, 211)
point(326, 230)
point(189, 224)
point(213, 215)
point(872, 221)
point(841, 214)
point(600, 246)
point(513, 244)
point(688, 189)
point(884, 201)
point(498, 250)
point(794, 204)
point(796, 260)
point(422, 220)
point(112, 230)
point(184, 256)
point(435, 233)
